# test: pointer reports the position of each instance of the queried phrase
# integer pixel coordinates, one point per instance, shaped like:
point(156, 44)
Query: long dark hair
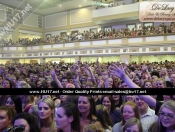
point(111, 100)
point(8, 81)
point(17, 101)
point(30, 120)
point(71, 110)
point(72, 98)
point(3, 100)
point(103, 116)
point(92, 105)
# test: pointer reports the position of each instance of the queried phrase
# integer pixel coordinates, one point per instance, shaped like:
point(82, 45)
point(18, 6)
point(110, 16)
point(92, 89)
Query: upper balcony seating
point(86, 35)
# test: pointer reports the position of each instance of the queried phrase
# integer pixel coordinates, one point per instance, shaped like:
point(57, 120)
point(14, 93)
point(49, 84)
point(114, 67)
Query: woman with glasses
point(25, 122)
point(129, 110)
point(67, 118)
point(166, 120)
point(14, 101)
point(6, 117)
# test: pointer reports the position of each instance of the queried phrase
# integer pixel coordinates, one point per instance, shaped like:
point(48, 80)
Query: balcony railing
point(155, 44)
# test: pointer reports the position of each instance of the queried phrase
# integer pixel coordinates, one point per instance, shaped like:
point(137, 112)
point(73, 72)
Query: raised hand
point(100, 83)
point(117, 70)
point(88, 68)
point(52, 72)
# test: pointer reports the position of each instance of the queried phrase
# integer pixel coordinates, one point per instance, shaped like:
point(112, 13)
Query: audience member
point(67, 118)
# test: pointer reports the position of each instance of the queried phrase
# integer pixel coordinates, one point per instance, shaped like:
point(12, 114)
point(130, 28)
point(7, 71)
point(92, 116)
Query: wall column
point(100, 59)
point(15, 35)
point(42, 60)
point(125, 58)
point(77, 58)
point(68, 22)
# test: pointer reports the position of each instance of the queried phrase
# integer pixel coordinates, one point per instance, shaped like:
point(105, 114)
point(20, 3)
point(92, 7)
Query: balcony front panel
point(116, 10)
point(160, 44)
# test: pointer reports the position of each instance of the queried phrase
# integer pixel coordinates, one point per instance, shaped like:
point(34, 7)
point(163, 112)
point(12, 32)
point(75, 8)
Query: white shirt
point(79, 37)
point(149, 118)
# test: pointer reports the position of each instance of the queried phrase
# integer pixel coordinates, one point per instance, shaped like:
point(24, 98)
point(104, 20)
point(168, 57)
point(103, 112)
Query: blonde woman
point(27, 102)
point(166, 120)
point(23, 84)
point(160, 83)
point(46, 112)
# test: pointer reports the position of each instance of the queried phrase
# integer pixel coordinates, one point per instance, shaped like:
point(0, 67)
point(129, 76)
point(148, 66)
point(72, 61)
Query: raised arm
point(54, 77)
point(76, 77)
point(92, 75)
point(148, 99)
point(98, 67)
point(119, 71)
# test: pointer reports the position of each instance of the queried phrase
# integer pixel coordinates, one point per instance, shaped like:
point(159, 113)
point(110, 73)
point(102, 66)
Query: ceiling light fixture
point(79, 5)
point(60, 5)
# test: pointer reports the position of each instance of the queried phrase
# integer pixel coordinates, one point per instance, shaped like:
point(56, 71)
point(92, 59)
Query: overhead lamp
point(60, 5)
point(79, 5)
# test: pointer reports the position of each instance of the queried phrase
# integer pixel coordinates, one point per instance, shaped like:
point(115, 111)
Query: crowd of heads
point(91, 35)
point(87, 75)
point(85, 113)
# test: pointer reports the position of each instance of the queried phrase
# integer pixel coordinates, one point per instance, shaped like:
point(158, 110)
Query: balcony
point(140, 45)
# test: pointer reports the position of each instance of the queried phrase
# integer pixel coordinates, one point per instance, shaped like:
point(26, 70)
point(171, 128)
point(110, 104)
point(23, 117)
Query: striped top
point(149, 118)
